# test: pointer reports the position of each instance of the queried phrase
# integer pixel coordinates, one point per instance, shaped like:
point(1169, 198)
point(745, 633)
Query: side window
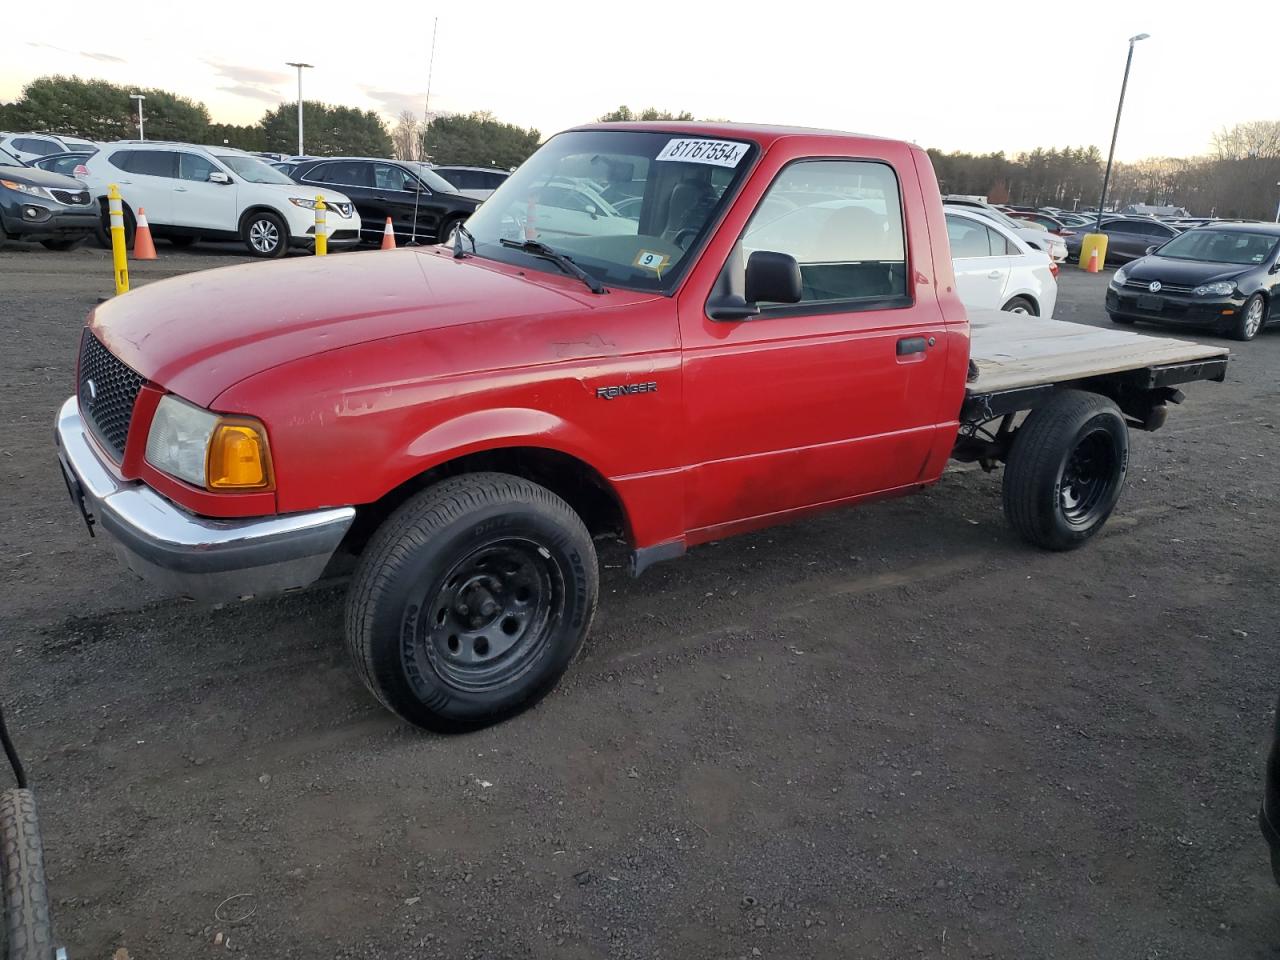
point(37, 146)
point(842, 221)
point(347, 173)
point(387, 177)
point(154, 163)
point(492, 181)
point(121, 159)
point(192, 166)
point(968, 239)
point(1001, 243)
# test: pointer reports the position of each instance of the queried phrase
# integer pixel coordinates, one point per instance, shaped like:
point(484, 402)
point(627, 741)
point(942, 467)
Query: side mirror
point(217, 176)
point(1152, 249)
point(773, 278)
point(1275, 267)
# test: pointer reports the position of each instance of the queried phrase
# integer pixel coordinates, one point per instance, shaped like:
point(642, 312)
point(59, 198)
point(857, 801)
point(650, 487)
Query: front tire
point(265, 235)
point(471, 601)
point(1066, 470)
point(446, 228)
point(26, 932)
point(1252, 315)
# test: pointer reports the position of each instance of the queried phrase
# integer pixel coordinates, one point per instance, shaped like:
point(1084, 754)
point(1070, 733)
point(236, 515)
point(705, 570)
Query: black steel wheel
point(1066, 469)
point(471, 601)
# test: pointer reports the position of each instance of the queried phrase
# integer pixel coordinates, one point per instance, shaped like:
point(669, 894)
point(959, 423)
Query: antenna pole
point(426, 115)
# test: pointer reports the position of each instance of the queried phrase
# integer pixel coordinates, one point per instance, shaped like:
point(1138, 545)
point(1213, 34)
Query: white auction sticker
point(719, 153)
point(650, 260)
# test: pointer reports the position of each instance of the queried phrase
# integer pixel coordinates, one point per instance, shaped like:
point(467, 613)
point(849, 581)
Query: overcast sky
point(977, 75)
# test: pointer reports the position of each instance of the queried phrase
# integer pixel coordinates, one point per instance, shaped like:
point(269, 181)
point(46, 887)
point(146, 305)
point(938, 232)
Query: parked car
point(33, 146)
point(462, 423)
point(195, 193)
point(1030, 233)
point(1127, 237)
point(1226, 276)
point(289, 164)
point(1050, 223)
point(996, 270)
point(476, 182)
point(68, 164)
point(397, 189)
point(36, 205)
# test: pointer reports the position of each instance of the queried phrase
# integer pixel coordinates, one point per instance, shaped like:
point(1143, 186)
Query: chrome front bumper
point(200, 557)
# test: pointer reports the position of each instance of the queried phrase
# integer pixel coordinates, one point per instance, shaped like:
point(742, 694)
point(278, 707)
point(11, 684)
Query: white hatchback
point(216, 193)
point(997, 270)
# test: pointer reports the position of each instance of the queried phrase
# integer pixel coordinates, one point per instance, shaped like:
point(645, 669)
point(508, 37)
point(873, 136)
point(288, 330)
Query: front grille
point(107, 391)
point(71, 197)
point(1145, 285)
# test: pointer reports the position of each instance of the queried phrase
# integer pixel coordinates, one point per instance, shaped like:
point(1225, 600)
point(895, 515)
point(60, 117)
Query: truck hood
point(199, 334)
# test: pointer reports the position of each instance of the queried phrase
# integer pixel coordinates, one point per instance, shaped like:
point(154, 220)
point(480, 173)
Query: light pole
point(1106, 177)
point(139, 97)
point(301, 67)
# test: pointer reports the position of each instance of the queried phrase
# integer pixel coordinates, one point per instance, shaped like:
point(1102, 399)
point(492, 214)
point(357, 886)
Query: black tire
point(1021, 305)
point(3, 236)
point(1121, 320)
point(1066, 470)
point(26, 933)
point(446, 228)
point(1250, 319)
point(181, 242)
point(104, 231)
point(69, 244)
point(265, 235)
point(507, 575)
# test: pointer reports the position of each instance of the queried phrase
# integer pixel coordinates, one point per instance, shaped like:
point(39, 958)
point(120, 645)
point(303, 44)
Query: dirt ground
point(891, 732)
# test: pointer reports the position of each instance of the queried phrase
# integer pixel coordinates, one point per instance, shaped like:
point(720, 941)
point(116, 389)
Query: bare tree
point(1257, 138)
point(404, 136)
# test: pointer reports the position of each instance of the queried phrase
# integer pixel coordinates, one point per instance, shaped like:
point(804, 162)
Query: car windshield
point(1221, 246)
point(433, 180)
point(627, 206)
point(253, 169)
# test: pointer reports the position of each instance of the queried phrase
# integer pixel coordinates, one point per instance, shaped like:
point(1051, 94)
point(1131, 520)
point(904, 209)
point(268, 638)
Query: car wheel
point(70, 244)
point(471, 601)
point(1021, 305)
point(1121, 320)
point(1066, 470)
point(1249, 322)
point(265, 234)
point(182, 243)
point(446, 228)
point(3, 236)
point(104, 232)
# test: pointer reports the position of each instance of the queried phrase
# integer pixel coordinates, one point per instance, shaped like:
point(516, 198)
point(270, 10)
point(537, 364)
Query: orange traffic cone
point(143, 247)
point(1093, 261)
point(388, 236)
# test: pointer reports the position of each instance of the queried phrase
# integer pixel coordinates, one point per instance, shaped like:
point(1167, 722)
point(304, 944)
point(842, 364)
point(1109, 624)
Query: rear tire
point(1121, 320)
point(1066, 470)
point(26, 932)
point(471, 601)
point(265, 235)
point(1021, 305)
point(104, 232)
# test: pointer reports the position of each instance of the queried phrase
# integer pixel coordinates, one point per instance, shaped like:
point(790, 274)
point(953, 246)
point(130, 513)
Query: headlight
point(1120, 277)
point(1223, 288)
point(208, 450)
point(303, 202)
point(27, 188)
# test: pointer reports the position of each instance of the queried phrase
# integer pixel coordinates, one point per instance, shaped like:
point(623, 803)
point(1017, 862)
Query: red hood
point(199, 334)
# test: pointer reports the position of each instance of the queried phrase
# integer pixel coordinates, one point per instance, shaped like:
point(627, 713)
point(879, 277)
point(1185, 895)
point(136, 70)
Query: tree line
point(1236, 178)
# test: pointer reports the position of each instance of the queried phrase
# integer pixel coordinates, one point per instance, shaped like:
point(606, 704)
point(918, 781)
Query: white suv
point(32, 146)
point(215, 193)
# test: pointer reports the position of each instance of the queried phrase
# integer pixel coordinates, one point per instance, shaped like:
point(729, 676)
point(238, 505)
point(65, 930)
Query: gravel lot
point(891, 732)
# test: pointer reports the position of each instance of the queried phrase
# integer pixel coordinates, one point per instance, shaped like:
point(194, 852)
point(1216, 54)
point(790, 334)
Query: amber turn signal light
point(239, 458)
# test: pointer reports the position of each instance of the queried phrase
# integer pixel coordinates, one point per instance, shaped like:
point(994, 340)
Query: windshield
point(1220, 246)
point(626, 206)
point(253, 169)
point(433, 180)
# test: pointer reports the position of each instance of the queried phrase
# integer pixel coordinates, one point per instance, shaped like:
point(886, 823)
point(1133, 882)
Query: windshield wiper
point(458, 233)
point(537, 248)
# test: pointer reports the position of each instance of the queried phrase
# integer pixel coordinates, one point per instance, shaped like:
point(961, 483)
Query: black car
point(67, 164)
point(1225, 277)
point(1127, 237)
point(43, 206)
point(1269, 814)
point(391, 188)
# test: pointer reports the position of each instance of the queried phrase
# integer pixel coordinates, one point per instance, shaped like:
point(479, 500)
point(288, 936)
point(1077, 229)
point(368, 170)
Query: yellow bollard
point(1089, 243)
point(119, 253)
point(322, 233)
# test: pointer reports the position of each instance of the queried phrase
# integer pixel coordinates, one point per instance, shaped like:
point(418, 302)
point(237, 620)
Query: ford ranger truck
point(667, 332)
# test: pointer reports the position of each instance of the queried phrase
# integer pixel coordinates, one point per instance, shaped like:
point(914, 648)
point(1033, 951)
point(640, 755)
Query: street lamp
point(139, 97)
point(301, 67)
point(1106, 177)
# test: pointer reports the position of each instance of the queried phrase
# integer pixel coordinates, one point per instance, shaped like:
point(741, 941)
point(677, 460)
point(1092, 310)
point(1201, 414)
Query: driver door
point(199, 203)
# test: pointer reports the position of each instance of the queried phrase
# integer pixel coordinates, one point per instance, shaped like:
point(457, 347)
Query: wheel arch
point(253, 208)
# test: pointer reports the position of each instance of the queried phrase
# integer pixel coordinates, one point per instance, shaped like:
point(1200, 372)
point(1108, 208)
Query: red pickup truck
point(666, 332)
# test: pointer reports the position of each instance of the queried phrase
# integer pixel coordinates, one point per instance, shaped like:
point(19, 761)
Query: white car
point(567, 207)
point(475, 182)
point(33, 146)
point(996, 270)
point(1033, 234)
point(216, 193)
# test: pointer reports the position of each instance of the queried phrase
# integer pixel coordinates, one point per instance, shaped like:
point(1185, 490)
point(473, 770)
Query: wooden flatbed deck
point(1014, 351)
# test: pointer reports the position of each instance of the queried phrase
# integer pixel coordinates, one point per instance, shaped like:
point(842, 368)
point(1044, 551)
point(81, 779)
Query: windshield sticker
point(650, 260)
point(718, 153)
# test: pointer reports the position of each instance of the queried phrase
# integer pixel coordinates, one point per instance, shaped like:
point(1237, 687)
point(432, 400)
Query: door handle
point(179, 189)
point(909, 345)
point(994, 275)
